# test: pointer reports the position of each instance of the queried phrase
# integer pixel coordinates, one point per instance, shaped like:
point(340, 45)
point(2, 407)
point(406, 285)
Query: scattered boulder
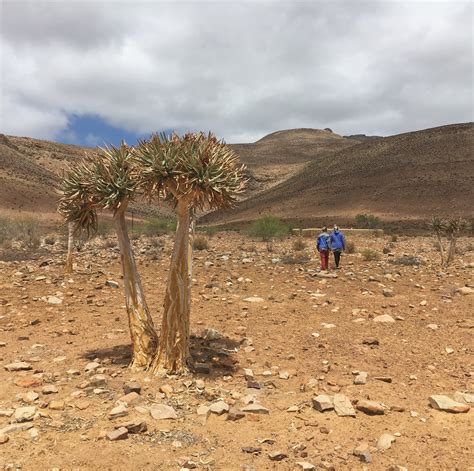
point(343, 406)
point(322, 403)
point(163, 412)
point(445, 403)
point(385, 442)
point(18, 366)
point(384, 319)
point(117, 434)
point(370, 407)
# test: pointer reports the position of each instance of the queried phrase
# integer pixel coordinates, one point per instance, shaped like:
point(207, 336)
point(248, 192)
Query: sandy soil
point(288, 334)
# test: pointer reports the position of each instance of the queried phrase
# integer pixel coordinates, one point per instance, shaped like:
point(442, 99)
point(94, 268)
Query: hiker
point(322, 244)
point(337, 243)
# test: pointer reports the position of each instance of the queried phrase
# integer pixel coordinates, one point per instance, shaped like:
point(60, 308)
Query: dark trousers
point(324, 254)
point(337, 257)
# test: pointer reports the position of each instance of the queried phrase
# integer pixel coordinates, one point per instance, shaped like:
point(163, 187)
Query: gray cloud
point(241, 69)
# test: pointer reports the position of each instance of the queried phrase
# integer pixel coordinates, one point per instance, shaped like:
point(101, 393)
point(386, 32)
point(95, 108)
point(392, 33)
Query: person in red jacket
point(322, 244)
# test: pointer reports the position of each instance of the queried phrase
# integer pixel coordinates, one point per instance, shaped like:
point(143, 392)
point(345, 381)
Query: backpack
point(322, 243)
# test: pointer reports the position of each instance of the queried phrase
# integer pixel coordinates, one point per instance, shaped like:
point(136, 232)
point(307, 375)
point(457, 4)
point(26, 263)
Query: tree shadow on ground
point(211, 358)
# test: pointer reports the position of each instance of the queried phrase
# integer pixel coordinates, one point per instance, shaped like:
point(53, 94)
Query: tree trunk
point(441, 248)
point(173, 355)
point(142, 330)
point(451, 250)
point(70, 248)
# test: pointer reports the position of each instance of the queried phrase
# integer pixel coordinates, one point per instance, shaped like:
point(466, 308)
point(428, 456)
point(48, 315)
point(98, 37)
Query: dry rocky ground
point(368, 345)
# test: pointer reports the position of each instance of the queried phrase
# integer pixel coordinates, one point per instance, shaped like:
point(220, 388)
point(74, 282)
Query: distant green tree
point(367, 221)
point(269, 228)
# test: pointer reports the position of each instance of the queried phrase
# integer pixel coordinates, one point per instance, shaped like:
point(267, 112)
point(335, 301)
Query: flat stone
point(343, 406)
point(254, 299)
point(432, 326)
point(119, 411)
point(91, 366)
point(6, 412)
point(111, 284)
point(277, 455)
point(54, 300)
point(322, 403)
point(163, 412)
point(363, 453)
point(255, 408)
point(361, 378)
point(305, 466)
point(18, 366)
point(28, 382)
point(133, 426)
point(117, 434)
point(98, 381)
point(384, 318)
point(445, 403)
point(15, 428)
point(4, 439)
point(25, 414)
point(371, 341)
point(465, 290)
point(132, 386)
point(370, 407)
point(385, 379)
point(128, 399)
point(56, 405)
point(219, 407)
point(50, 389)
point(388, 293)
point(463, 397)
point(29, 397)
point(322, 274)
point(385, 441)
point(235, 414)
point(203, 411)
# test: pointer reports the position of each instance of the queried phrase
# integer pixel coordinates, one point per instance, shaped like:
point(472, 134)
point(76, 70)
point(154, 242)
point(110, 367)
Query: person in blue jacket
point(338, 244)
point(322, 244)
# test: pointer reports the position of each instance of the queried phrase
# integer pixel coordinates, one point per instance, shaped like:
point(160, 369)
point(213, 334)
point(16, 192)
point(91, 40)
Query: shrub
point(367, 221)
point(6, 230)
point(394, 238)
point(369, 255)
point(413, 261)
point(299, 244)
point(158, 226)
point(110, 244)
point(350, 247)
point(27, 233)
point(50, 239)
point(104, 227)
point(295, 259)
point(200, 243)
point(268, 228)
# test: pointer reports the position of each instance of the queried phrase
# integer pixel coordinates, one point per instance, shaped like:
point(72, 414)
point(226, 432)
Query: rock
point(219, 407)
point(15, 428)
point(370, 341)
point(277, 456)
point(384, 319)
point(305, 466)
point(255, 408)
point(444, 403)
point(251, 449)
point(463, 397)
point(117, 434)
point(385, 442)
point(56, 405)
point(322, 274)
point(50, 389)
point(388, 293)
point(211, 334)
point(25, 414)
point(385, 379)
point(129, 399)
point(254, 299)
point(322, 403)
point(163, 412)
point(54, 300)
point(370, 407)
point(203, 411)
point(362, 451)
point(432, 326)
point(119, 411)
point(397, 467)
point(235, 414)
point(284, 375)
point(343, 406)
point(98, 381)
point(28, 382)
point(465, 290)
point(29, 397)
point(133, 426)
point(111, 284)
point(34, 434)
point(4, 439)
point(18, 366)
point(361, 378)
point(92, 366)
point(202, 368)
point(6, 412)
point(132, 386)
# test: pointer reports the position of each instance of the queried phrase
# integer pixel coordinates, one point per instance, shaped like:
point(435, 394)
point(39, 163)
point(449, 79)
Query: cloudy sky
point(89, 71)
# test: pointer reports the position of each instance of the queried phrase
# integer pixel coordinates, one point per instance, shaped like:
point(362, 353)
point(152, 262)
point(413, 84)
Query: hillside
point(410, 176)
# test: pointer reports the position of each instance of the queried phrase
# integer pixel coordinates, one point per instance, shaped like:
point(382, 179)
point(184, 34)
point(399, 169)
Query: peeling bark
point(142, 330)
point(70, 248)
point(441, 248)
point(173, 355)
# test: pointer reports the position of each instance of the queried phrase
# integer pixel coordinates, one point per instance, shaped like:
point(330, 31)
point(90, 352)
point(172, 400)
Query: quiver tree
point(70, 248)
point(451, 229)
point(107, 181)
point(193, 172)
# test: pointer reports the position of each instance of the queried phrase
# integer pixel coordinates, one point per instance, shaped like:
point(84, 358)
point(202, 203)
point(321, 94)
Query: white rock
point(385, 441)
point(25, 414)
point(384, 318)
point(343, 406)
point(163, 412)
point(219, 407)
point(254, 299)
point(445, 403)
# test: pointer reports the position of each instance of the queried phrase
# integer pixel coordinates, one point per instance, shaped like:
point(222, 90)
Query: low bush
point(367, 221)
point(27, 232)
point(158, 226)
point(394, 238)
point(269, 228)
point(210, 231)
point(295, 259)
point(299, 244)
point(50, 239)
point(200, 243)
point(369, 255)
point(350, 247)
point(413, 261)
